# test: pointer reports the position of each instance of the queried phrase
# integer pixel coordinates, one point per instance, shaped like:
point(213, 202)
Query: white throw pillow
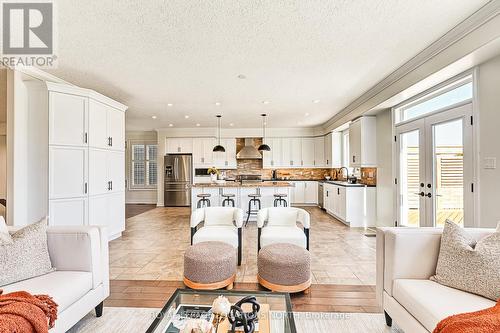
point(5, 237)
point(282, 217)
point(219, 216)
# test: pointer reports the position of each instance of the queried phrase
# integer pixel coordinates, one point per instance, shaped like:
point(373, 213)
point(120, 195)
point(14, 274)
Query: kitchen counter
point(238, 184)
point(346, 184)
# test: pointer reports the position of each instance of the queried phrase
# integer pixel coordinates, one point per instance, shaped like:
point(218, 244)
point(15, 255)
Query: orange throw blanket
point(483, 321)
point(22, 312)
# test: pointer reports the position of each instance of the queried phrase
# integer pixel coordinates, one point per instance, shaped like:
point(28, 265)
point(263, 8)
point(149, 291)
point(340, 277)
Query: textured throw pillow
point(468, 265)
point(27, 256)
point(4, 233)
point(282, 216)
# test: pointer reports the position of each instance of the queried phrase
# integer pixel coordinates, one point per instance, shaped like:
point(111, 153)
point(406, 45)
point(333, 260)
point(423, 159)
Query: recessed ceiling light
point(170, 104)
point(197, 125)
point(154, 117)
point(265, 102)
point(242, 76)
point(217, 103)
point(170, 125)
point(186, 116)
point(316, 101)
point(307, 114)
point(231, 124)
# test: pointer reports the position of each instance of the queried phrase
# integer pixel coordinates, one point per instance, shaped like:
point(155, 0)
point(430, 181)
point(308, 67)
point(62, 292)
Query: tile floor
point(154, 242)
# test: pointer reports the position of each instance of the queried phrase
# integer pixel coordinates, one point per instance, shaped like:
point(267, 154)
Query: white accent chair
point(80, 282)
point(406, 259)
point(222, 224)
point(279, 225)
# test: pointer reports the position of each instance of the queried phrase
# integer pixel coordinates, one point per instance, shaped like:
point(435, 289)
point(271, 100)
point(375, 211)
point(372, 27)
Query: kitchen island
point(241, 191)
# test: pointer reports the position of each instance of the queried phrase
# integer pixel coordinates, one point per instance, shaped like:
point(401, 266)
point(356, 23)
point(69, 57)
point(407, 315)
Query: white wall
point(385, 215)
point(138, 196)
point(489, 141)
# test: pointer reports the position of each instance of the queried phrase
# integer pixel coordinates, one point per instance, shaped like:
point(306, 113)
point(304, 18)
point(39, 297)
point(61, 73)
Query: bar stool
point(228, 199)
point(254, 199)
point(204, 201)
point(279, 200)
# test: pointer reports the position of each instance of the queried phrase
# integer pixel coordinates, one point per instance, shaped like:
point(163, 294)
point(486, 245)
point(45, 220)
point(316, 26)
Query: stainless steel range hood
point(249, 152)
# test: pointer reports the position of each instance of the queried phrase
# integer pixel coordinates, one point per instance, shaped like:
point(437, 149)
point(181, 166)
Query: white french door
point(434, 164)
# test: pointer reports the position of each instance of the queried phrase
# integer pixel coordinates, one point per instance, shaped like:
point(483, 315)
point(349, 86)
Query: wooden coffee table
point(275, 316)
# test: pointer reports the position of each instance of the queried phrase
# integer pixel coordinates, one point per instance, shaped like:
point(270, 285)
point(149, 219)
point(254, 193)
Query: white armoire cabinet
point(86, 159)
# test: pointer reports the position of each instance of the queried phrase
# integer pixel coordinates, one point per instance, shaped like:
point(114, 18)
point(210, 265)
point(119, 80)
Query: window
point(459, 91)
point(144, 166)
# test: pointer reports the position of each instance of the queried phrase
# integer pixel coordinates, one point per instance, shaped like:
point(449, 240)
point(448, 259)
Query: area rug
point(138, 320)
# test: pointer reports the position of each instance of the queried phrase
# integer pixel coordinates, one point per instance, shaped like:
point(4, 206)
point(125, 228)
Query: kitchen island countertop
point(248, 184)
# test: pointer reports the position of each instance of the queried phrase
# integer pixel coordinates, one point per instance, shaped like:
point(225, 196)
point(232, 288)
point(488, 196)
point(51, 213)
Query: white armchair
point(221, 224)
point(279, 225)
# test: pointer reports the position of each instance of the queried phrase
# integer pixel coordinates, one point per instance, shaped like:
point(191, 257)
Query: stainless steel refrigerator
point(178, 179)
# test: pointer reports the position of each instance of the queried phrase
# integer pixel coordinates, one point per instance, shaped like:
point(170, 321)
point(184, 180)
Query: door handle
point(111, 140)
point(109, 186)
point(422, 194)
point(85, 188)
point(429, 195)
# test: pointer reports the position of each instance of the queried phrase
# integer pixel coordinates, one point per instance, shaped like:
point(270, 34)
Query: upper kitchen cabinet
point(68, 119)
point(227, 159)
point(292, 152)
point(319, 151)
point(203, 154)
point(179, 145)
point(307, 152)
point(273, 158)
point(106, 126)
point(333, 150)
point(363, 142)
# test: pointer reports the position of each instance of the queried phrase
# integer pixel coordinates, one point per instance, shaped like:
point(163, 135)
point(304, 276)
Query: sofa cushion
point(225, 234)
point(27, 256)
point(430, 302)
point(66, 287)
point(279, 234)
point(467, 264)
point(219, 216)
point(282, 216)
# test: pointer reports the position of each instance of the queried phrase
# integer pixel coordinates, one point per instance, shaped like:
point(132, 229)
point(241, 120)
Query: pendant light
point(263, 146)
point(218, 148)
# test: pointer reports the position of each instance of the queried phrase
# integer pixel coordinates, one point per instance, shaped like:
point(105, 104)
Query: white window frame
point(130, 164)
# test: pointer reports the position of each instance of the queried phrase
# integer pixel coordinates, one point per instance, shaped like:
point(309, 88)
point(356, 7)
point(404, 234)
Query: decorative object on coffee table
point(239, 318)
point(209, 266)
point(284, 267)
point(197, 326)
point(220, 309)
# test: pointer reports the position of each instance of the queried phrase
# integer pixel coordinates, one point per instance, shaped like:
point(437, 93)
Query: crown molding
point(464, 28)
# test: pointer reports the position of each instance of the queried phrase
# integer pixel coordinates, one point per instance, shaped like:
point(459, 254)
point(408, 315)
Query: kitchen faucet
point(346, 172)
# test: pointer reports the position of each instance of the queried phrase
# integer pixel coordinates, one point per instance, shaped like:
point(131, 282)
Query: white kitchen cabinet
point(298, 193)
point(328, 150)
point(179, 145)
point(203, 154)
point(319, 152)
point(328, 190)
point(68, 172)
point(307, 152)
point(106, 126)
point(273, 158)
point(333, 150)
point(292, 152)
point(70, 211)
point(68, 119)
point(227, 159)
point(363, 142)
point(86, 176)
point(311, 192)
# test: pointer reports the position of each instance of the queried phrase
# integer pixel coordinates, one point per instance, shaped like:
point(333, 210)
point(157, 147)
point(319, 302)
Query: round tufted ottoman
point(284, 267)
point(209, 266)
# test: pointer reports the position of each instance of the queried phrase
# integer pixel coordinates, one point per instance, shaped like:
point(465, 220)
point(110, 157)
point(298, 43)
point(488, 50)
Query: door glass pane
point(448, 172)
point(409, 179)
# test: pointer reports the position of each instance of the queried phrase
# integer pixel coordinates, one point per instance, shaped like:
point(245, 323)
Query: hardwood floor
point(132, 210)
point(146, 263)
point(321, 298)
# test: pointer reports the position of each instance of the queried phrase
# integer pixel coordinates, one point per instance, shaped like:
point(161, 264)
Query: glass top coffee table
point(275, 315)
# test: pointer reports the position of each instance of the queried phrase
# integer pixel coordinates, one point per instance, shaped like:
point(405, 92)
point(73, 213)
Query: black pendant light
point(218, 148)
point(263, 146)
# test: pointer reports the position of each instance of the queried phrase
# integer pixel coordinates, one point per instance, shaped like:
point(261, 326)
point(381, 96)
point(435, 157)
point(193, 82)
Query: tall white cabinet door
point(98, 172)
point(319, 151)
point(67, 119)
point(296, 151)
point(116, 170)
point(277, 152)
point(311, 192)
point(98, 210)
point(307, 152)
point(116, 128)
point(73, 211)
point(328, 150)
point(298, 192)
point(116, 214)
point(342, 204)
point(198, 152)
point(98, 127)
point(67, 172)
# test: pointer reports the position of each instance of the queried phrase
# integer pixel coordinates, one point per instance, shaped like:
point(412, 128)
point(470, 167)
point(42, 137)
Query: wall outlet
point(490, 162)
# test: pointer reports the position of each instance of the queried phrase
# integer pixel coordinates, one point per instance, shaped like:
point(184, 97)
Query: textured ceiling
point(147, 54)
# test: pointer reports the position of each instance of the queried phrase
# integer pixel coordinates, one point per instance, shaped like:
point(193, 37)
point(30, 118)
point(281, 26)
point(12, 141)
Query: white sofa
point(406, 259)
point(80, 282)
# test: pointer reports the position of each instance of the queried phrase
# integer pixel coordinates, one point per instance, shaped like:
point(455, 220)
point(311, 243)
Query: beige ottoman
point(209, 266)
point(285, 268)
